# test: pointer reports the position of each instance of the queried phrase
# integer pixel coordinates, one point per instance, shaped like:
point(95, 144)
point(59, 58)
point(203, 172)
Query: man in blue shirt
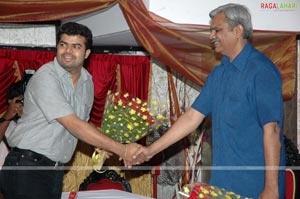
point(244, 96)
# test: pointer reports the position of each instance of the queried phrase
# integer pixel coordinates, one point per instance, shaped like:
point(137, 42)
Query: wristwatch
point(2, 119)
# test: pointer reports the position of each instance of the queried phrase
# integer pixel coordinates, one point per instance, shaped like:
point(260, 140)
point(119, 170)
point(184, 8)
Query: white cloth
point(3, 148)
point(104, 194)
point(3, 153)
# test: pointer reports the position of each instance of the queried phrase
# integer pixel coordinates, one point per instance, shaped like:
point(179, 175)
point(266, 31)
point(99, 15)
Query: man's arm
point(89, 134)
point(184, 125)
point(272, 148)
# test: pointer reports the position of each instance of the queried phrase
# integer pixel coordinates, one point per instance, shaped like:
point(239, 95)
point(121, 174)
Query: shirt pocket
point(235, 111)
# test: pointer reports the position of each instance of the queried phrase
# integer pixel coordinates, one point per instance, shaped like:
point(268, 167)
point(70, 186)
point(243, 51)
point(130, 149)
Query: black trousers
point(29, 175)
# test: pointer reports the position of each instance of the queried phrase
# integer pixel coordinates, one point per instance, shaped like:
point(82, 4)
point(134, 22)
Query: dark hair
point(15, 90)
point(72, 28)
point(18, 88)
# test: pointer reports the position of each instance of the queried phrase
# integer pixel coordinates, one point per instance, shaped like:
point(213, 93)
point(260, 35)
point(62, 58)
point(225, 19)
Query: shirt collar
point(63, 73)
point(239, 62)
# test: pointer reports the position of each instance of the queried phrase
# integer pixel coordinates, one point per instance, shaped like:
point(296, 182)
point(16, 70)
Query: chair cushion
point(105, 184)
point(290, 184)
point(108, 179)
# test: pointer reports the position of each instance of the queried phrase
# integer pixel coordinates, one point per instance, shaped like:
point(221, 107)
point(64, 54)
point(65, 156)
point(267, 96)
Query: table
point(104, 194)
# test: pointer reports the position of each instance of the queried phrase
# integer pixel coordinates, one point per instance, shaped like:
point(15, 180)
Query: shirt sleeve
point(268, 90)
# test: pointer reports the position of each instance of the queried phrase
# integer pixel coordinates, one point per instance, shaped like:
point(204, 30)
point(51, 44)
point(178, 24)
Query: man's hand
point(14, 108)
point(130, 158)
point(144, 152)
point(269, 194)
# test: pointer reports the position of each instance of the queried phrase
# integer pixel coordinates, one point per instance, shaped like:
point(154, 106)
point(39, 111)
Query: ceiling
point(124, 38)
point(109, 27)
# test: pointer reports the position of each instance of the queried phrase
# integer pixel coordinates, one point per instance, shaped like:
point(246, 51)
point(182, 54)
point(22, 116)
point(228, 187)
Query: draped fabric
point(13, 63)
point(135, 72)
point(50, 10)
point(135, 75)
point(182, 47)
point(186, 48)
point(134, 78)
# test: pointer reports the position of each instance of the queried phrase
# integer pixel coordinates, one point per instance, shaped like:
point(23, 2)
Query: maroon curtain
point(134, 78)
point(103, 69)
point(134, 75)
point(13, 63)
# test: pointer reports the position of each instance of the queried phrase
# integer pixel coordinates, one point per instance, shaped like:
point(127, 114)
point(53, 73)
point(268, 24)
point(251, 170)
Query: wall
point(27, 35)
point(266, 15)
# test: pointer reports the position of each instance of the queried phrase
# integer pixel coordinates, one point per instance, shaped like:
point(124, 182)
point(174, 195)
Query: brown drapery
point(50, 10)
point(186, 47)
point(182, 47)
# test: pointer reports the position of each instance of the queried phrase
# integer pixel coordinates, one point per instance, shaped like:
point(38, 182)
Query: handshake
point(135, 154)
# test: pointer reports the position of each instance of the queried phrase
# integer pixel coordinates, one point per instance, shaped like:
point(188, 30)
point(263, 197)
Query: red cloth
point(290, 184)
point(105, 184)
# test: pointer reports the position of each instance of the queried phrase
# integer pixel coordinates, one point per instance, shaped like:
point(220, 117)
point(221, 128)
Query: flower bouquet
point(126, 119)
point(205, 191)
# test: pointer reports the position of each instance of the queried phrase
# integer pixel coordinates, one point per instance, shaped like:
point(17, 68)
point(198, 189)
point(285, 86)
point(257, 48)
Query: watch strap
point(2, 119)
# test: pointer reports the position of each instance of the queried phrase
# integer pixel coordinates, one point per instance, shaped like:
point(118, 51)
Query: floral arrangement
point(205, 191)
point(128, 119)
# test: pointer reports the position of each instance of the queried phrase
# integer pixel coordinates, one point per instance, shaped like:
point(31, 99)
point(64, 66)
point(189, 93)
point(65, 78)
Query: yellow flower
point(214, 194)
point(205, 191)
point(120, 103)
point(186, 190)
point(144, 117)
point(138, 101)
point(227, 197)
point(129, 126)
point(145, 104)
point(155, 102)
point(143, 109)
point(160, 117)
point(133, 118)
point(111, 117)
point(136, 124)
point(126, 135)
point(132, 111)
point(201, 195)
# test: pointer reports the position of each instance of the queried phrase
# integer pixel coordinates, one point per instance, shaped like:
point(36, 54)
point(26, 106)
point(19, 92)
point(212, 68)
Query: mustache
point(215, 40)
